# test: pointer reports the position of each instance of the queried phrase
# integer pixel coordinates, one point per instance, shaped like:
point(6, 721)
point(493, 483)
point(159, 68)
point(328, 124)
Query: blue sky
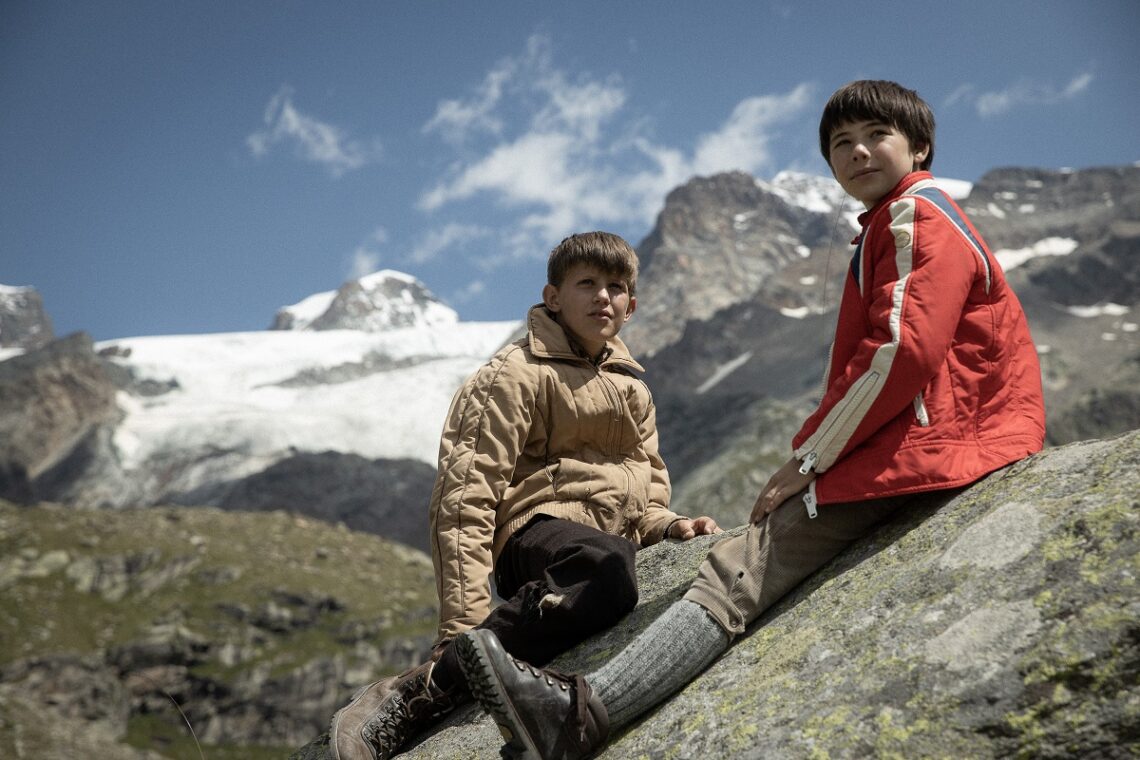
point(190, 167)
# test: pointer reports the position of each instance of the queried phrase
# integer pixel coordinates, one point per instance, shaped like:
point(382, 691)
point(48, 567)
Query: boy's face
point(591, 304)
point(870, 157)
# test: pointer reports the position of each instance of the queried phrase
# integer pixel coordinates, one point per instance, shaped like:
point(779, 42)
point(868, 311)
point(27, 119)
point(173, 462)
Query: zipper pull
point(809, 502)
point(808, 463)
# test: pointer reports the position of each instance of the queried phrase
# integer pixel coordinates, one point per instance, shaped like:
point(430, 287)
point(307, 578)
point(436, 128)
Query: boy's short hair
point(879, 100)
point(605, 250)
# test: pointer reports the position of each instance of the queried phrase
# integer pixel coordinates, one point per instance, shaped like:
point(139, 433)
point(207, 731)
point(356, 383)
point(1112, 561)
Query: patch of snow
point(798, 312)
point(1108, 336)
point(1129, 327)
point(305, 312)
point(957, 189)
point(813, 192)
point(810, 279)
point(995, 210)
point(1053, 246)
point(12, 290)
point(722, 372)
point(231, 393)
point(1098, 310)
point(370, 281)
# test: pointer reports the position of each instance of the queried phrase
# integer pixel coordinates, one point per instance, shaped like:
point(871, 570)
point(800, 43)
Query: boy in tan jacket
point(549, 477)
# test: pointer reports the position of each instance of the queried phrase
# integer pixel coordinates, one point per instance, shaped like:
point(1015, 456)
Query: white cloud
point(366, 257)
point(1028, 92)
point(364, 262)
point(436, 242)
point(454, 119)
point(312, 140)
point(742, 142)
point(576, 159)
point(963, 92)
point(468, 292)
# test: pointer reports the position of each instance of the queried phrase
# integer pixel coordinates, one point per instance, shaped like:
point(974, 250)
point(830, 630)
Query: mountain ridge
point(330, 416)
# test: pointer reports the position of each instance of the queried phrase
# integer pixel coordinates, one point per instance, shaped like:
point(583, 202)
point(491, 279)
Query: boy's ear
point(550, 298)
point(920, 155)
point(632, 307)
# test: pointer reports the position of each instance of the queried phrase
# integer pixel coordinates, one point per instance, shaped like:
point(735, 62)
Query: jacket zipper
point(615, 433)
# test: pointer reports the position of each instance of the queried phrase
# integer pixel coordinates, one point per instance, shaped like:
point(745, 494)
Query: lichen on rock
point(1005, 624)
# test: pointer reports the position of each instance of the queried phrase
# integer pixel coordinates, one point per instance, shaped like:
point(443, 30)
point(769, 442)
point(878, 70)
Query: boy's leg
point(565, 582)
point(740, 579)
point(743, 576)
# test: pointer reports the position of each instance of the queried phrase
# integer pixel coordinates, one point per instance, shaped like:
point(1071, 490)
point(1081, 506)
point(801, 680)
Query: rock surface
point(1006, 624)
point(51, 398)
point(23, 321)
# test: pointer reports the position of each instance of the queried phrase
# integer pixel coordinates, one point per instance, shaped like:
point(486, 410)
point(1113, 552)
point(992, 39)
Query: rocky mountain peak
point(1020, 206)
point(23, 321)
point(380, 301)
point(718, 241)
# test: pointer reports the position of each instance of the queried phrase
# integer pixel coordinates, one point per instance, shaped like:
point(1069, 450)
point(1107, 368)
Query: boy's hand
point(686, 529)
point(783, 485)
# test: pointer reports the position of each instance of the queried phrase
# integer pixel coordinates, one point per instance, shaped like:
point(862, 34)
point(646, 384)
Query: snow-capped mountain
point(23, 321)
point(258, 394)
point(737, 293)
point(341, 423)
point(380, 301)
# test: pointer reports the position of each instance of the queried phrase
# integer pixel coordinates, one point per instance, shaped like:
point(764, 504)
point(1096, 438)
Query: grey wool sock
point(664, 657)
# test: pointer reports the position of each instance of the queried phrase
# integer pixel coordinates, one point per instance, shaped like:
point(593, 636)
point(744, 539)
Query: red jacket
point(933, 379)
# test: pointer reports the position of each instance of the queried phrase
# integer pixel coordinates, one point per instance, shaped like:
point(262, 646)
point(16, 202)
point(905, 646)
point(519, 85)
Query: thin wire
point(177, 707)
point(827, 266)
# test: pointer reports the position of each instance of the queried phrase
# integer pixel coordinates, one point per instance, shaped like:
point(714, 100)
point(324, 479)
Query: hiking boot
point(541, 713)
point(385, 714)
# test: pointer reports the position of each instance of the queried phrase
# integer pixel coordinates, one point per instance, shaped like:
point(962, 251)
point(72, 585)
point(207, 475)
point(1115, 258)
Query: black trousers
point(562, 582)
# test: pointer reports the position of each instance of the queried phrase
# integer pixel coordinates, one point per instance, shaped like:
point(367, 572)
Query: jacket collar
point(549, 341)
point(898, 190)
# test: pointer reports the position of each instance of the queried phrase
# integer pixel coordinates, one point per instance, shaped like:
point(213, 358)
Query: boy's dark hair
point(879, 100)
point(605, 250)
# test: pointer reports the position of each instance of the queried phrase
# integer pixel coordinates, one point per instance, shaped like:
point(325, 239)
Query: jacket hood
point(548, 340)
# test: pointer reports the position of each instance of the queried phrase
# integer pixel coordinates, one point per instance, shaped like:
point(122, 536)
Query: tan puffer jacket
point(541, 430)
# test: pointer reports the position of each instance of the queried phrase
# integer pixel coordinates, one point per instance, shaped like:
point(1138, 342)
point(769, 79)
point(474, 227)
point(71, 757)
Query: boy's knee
point(617, 583)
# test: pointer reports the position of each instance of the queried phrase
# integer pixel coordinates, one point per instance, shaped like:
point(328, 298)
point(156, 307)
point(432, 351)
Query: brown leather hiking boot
point(385, 714)
point(541, 713)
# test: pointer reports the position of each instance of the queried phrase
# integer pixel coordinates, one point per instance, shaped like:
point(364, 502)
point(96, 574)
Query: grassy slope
point(189, 566)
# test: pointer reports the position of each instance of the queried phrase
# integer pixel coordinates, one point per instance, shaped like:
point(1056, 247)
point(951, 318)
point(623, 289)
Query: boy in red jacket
point(933, 382)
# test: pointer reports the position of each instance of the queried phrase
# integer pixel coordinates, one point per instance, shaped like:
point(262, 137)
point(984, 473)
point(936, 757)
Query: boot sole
point(488, 690)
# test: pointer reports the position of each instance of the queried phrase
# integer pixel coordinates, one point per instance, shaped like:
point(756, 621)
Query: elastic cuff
point(669, 526)
point(722, 613)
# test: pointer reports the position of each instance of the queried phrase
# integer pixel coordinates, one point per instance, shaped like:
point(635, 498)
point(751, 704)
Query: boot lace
point(414, 704)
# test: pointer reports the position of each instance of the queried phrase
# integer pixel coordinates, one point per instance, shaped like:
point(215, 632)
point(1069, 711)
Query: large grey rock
point(1006, 624)
point(23, 321)
point(51, 399)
